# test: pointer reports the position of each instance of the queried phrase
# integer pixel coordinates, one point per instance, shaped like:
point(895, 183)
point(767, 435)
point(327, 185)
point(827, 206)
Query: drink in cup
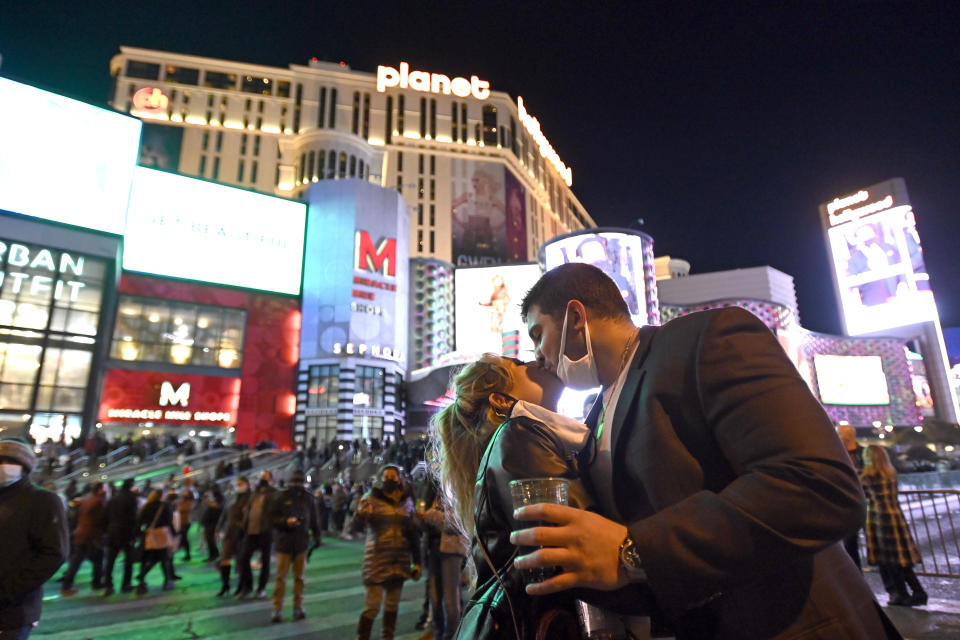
point(529, 491)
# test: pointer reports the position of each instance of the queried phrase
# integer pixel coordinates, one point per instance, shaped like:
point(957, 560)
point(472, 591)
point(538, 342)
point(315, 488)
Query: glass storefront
point(154, 330)
point(50, 303)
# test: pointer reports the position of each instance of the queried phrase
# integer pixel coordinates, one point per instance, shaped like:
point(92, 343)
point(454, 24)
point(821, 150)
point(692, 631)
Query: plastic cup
point(529, 491)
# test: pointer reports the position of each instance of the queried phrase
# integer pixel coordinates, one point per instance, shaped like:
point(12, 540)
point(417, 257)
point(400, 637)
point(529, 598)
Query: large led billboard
point(621, 255)
point(64, 160)
point(489, 214)
point(851, 380)
point(487, 309)
point(878, 265)
point(182, 227)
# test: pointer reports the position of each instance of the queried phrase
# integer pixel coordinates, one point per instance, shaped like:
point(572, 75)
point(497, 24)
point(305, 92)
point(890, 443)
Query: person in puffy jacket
point(391, 553)
point(294, 516)
point(33, 528)
point(230, 527)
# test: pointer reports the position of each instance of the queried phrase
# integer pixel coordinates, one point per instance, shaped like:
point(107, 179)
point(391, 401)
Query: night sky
point(722, 129)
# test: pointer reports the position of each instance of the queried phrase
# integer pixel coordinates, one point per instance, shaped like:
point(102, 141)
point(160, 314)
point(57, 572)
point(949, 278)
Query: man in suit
point(723, 488)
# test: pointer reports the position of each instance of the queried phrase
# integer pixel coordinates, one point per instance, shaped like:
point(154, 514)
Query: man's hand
point(585, 545)
point(292, 521)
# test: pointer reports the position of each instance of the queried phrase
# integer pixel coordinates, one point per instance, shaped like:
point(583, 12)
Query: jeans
point(284, 560)
point(112, 552)
point(262, 542)
point(450, 567)
point(153, 557)
point(79, 553)
point(375, 595)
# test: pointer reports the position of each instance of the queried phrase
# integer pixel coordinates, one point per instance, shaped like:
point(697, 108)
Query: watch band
point(630, 560)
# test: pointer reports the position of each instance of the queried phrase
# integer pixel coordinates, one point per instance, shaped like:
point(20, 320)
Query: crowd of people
point(708, 495)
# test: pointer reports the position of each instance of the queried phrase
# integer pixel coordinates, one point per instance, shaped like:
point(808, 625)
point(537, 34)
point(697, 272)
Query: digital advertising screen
point(63, 160)
point(881, 278)
point(851, 380)
point(487, 309)
point(187, 228)
point(619, 255)
point(489, 214)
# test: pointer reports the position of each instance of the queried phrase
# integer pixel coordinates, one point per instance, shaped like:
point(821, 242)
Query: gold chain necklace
point(605, 402)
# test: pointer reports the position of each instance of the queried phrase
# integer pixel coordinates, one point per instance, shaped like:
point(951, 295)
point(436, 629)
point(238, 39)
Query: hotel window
point(296, 109)
point(388, 130)
point(256, 84)
point(311, 159)
point(420, 213)
point(323, 428)
point(400, 111)
point(513, 135)
point(219, 141)
point(420, 188)
point(420, 163)
point(203, 166)
point(247, 104)
point(399, 183)
point(324, 386)
point(145, 70)
point(216, 168)
point(490, 136)
point(209, 117)
point(259, 124)
point(331, 164)
point(366, 116)
point(433, 165)
point(433, 215)
point(218, 80)
point(283, 88)
point(318, 175)
point(433, 189)
point(463, 122)
point(154, 330)
point(360, 168)
point(302, 167)
point(355, 127)
point(433, 118)
point(454, 129)
point(322, 107)
point(253, 172)
point(420, 240)
point(210, 100)
point(223, 116)
point(399, 160)
point(367, 427)
point(206, 140)
point(343, 165)
point(260, 106)
point(368, 387)
point(182, 75)
point(353, 166)
point(423, 117)
point(431, 242)
point(256, 145)
point(332, 124)
point(243, 145)
point(240, 170)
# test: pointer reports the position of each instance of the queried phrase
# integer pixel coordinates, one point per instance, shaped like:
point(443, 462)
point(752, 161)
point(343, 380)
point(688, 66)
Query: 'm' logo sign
point(170, 397)
point(379, 259)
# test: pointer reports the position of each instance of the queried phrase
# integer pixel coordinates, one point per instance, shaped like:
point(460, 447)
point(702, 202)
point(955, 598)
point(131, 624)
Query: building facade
point(481, 182)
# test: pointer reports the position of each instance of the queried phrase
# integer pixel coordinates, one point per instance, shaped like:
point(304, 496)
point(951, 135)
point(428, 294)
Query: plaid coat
point(888, 536)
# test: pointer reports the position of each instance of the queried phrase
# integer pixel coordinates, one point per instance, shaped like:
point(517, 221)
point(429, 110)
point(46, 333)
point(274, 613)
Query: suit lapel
point(631, 385)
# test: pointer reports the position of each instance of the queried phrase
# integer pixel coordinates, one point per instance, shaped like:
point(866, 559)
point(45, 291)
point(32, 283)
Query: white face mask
point(10, 473)
point(577, 374)
point(572, 433)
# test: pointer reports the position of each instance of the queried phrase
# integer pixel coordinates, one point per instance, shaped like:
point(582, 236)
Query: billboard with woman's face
point(489, 214)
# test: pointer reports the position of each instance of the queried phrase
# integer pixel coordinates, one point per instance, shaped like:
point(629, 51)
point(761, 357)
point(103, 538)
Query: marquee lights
point(532, 125)
point(389, 77)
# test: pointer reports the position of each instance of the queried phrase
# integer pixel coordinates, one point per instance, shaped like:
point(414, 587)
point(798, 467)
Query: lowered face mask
point(573, 434)
point(577, 374)
point(10, 473)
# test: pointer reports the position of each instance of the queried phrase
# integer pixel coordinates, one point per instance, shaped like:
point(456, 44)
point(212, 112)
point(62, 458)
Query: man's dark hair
point(575, 281)
point(127, 484)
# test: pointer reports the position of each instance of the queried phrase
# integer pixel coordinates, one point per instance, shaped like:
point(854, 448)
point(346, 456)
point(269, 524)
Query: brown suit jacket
point(735, 487)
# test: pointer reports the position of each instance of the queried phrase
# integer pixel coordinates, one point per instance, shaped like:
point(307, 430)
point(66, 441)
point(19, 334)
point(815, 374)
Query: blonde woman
point(498, 403)
point(889, 543)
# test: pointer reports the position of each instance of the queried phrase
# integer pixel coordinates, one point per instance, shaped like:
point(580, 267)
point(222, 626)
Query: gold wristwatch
point(630, 560)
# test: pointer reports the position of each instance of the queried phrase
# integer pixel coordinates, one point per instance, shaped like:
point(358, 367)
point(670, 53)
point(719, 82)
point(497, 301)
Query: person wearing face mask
point(723, 490)
point(230, 527)
point(294, 516)
point(391, 553)
point(502, 427)
point(258, 537)
point(35, 540)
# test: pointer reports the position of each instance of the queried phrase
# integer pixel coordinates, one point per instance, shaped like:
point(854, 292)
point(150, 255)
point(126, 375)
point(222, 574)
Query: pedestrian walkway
point(333, 601)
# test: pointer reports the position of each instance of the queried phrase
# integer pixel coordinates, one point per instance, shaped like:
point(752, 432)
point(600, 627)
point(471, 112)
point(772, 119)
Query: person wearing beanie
point(35, 539)
point(294, 516)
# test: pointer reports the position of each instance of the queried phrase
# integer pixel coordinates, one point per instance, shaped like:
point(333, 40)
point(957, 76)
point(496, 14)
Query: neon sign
point(150, 100)
point(18, 255)
point(379, 259)
point(389, 77)
point(532, 125)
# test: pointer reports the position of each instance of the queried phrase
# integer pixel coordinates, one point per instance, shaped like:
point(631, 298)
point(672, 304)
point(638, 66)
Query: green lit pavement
point(333, 601)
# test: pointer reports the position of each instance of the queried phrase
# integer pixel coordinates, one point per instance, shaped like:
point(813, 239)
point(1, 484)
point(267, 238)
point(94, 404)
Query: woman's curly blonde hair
point(463, 429)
